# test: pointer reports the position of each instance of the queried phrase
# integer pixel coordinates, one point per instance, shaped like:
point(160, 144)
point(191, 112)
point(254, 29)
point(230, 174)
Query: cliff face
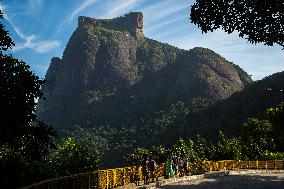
point(110, 73)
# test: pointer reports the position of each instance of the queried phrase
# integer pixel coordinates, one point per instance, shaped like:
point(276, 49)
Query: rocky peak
point(110, 73)
point(131, 22)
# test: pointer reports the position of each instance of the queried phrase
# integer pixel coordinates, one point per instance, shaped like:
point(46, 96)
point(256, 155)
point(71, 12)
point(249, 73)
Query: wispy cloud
point(30, 41)
point(37, 46)
point(2, 7)
point(44, 46)
point(32, 6)
point(83, 6)
point(119, 7)
point(159, 10)
point(35, 2)
point(155, 26)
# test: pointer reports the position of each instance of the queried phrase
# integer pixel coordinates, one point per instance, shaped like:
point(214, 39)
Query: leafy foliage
point(94, 97)
point(6, 42)
point(276, 117)
point(253, 101)
point(272, 155)
point(37, 142)
point(134, 157)
point(206, 149)
point(23, 139)
point(257, 134)
point(186, 147)
point(257, 142)
point(159, 154)
point(19, 88)
point(71, 158)
point(228, 148)
point(88, 138)
point(258, 21)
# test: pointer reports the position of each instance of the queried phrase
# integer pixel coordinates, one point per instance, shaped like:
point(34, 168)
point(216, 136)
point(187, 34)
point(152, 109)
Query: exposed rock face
point(111, 74)
point(132, 22)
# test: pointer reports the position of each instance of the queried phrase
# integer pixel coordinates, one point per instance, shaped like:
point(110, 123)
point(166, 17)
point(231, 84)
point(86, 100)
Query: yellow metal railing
point(234, 164)
point(111, 178)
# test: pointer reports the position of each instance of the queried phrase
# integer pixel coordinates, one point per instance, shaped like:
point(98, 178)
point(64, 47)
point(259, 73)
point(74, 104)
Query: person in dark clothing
point(152, 166)
point(175, 163)
point(145, 168)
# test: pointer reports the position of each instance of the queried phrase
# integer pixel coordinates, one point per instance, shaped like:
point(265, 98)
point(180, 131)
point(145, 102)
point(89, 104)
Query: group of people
point(177, 165)
point(148, 165)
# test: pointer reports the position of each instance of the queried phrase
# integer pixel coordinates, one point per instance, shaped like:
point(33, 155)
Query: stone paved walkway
point(246, 181)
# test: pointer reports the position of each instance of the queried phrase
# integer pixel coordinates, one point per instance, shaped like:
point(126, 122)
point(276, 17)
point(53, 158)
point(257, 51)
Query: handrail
point(111, 178)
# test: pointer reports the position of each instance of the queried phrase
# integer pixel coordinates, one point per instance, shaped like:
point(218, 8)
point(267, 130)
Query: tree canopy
point(256, 20)
point(23, 139)
point(19, 89)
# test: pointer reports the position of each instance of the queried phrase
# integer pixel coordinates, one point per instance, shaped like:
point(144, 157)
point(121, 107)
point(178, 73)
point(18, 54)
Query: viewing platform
point(131, 177)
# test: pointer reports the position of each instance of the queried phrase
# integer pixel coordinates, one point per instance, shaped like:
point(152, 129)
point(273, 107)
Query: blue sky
point(41, 29)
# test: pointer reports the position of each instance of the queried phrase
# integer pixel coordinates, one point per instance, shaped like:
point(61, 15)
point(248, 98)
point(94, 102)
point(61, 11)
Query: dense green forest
point(260, 139)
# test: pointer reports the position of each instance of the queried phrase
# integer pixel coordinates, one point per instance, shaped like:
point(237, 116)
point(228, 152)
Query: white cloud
point(155, 26)
point(35, 3)
point(30, 41)
point(119, 7)
point(2, 7)
point(84, 5)
point(38, 46)
point(30, 7)
point(44, 46)
point(159, 10)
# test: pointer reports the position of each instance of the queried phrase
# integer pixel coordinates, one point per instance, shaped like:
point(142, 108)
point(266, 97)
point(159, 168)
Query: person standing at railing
point(175, 163)
point(183, 165)
point(145, 168)
point(169, 167)
point(152, 166)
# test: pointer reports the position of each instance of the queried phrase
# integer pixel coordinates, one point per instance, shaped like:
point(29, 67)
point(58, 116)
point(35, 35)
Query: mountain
point(111, 75)
point(228, 115)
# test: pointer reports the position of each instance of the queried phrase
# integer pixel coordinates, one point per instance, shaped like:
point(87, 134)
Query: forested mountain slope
point(134, 91)
point(110, 74)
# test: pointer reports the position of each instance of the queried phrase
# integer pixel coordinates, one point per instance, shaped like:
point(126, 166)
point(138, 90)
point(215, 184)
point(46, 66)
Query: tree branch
point(282, 45)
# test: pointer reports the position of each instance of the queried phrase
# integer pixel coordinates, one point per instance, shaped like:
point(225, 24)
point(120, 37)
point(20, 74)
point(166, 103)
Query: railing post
point(107, 180)
point(217, 165)
point(140, 173)
point(248, 164)
point(256, 164)
point(266, 165)
point(114, 178)
point(132, 173)
point(124, 176)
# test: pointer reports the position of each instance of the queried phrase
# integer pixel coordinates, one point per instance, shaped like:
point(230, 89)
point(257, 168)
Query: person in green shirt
point(169, 167)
